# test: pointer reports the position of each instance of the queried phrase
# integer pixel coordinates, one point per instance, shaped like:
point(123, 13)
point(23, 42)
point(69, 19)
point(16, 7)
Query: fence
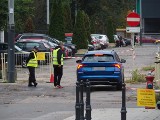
point(43, 71)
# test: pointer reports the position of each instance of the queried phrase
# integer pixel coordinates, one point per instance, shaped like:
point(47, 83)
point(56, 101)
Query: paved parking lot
point(18, 102)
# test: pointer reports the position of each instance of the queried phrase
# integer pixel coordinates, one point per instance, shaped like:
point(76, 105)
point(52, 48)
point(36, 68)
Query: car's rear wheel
point(119, 86)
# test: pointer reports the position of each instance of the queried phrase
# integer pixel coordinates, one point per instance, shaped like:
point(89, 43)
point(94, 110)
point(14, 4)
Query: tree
point(40, 17)
point(87, 27)
point(3, 13)
point(29, 27)
point(79, 34)
point(56, 28)
point(23, 9)
point(67, 18)
point(110, 30)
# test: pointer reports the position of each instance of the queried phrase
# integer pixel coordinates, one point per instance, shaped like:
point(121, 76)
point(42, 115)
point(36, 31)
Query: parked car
point(27, 45)
point(95, 42)
point(90, 47)
point(43, 46)
point(35, 36)
point(148, 39)
point(20, 55)
point(100, 41)
point(101, 68)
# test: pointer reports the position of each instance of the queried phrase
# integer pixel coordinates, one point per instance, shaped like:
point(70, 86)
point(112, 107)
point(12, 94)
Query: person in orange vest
point(58, 64)
point(32, 63)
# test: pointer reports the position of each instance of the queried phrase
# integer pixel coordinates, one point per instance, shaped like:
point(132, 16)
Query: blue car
point(101, 68)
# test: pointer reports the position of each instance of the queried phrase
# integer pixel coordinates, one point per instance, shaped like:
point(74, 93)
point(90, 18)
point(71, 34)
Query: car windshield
point(98, 58)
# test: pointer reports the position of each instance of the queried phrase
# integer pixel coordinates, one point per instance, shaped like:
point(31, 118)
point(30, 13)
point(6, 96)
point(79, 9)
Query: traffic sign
point(133, 19)
point(133, 29)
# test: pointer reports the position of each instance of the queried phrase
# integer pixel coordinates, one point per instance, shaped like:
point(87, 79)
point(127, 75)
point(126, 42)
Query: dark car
point(101, 68)
point(28, 45)
point(20, 55)
point(36, 36)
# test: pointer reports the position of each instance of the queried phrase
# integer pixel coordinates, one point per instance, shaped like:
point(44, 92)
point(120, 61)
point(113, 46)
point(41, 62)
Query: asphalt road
point(18, 102)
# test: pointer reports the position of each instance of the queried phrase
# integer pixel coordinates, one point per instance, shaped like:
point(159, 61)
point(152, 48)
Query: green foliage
point(110, 30)
point(148, 68)
point(23, 9)
point(137, 77)
point(79, 34)
point(29, 27)
point(87, 27)
point(67, 18)
point(56, 28)
point(40, 17)
point(3, 13)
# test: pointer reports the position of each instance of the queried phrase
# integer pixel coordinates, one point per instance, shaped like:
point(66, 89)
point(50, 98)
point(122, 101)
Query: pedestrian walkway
point(115, 114)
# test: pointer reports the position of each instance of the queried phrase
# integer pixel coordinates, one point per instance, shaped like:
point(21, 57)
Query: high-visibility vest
point(33, 62)
point(55, 62)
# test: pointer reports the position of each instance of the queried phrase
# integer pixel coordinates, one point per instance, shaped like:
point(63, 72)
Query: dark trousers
point(58, 72)
point(32, 78)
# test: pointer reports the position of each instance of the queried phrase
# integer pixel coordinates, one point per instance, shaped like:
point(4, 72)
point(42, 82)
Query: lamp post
point(11, 57)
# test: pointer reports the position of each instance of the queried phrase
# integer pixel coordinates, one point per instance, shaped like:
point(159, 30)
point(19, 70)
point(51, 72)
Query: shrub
point(137, 77)
point(148, 68)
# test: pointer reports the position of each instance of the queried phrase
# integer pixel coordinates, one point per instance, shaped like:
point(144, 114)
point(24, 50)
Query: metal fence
point(43, 71)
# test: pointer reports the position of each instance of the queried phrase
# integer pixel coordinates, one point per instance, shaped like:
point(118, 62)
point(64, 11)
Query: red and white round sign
point(133, 19)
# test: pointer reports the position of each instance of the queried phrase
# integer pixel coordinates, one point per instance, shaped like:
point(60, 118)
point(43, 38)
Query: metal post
point(141, 27)
point(81, 101)
point(123, 109)
point(48, 12)
point(11, 57)
point(88, 105)
point(77, 106)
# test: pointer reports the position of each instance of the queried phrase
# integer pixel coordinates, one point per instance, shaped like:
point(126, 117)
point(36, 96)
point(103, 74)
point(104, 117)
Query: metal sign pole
point(11, 57)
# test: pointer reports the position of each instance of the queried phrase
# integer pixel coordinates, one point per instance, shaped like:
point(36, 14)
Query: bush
point(137, 77)
point(148, 68)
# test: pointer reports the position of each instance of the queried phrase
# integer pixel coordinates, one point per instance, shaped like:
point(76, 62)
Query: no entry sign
point(133, 19)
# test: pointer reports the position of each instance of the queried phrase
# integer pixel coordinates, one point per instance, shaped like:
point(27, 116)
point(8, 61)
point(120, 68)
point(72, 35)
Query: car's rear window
point(31, 37)
point(98, 58)
point(100, 37)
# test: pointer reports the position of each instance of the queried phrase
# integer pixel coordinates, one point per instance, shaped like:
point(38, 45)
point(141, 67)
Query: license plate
point(98, 68)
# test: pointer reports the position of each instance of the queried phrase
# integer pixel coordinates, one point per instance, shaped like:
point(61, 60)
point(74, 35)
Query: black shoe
point(35, 84)
point(30, 85)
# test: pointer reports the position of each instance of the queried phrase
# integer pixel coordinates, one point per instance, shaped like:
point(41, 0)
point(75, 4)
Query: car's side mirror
point(123, 60)
point(78, 61)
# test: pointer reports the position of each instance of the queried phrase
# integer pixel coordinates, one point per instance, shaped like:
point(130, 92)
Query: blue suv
point(101, 68)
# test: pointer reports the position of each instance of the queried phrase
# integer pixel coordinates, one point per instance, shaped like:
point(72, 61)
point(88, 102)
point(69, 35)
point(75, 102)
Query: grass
point(137, 77)
point(148, 68)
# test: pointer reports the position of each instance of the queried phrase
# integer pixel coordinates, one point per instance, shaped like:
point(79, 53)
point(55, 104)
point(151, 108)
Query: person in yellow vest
point(58, 64)
point(32, 63)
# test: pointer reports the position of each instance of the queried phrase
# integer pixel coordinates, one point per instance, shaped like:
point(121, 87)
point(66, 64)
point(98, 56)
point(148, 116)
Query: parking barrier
point(79, 106)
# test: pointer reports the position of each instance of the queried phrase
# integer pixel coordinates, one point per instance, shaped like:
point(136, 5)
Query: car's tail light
point(117, 65)
point(79, 66)
point(98, 54)
point(93, 42)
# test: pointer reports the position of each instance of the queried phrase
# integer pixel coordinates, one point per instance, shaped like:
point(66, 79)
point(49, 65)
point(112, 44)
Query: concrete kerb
point(132, 114)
